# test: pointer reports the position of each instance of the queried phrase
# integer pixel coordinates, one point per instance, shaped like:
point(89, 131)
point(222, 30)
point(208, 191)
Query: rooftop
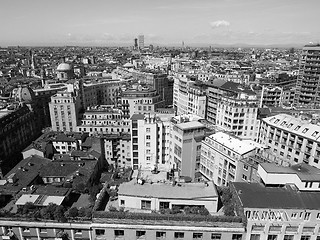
point(169, 191)
point(254, 195)
point(190, 125)
point(237, 145)
point(304, 171)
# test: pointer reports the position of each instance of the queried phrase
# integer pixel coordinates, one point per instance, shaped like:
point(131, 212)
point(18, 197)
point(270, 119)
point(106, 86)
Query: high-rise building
point(141, 41)
point(308, 82)
point(135, 46)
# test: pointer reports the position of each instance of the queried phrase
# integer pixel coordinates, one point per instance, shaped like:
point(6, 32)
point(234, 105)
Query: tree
point(73, 212)
point(58, 214)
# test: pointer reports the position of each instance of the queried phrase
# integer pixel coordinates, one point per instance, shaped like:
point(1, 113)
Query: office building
point(307, 88)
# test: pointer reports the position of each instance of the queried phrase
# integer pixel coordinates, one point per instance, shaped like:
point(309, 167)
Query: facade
point(307, 92)
point(140, 100)
point(64, 109)
point(226, 159)
point(190, 97)
point(151, 142)
point(110, 228)
point(141, 42)
point(64, 71)
point(292, 139)
point(103, 120)
point(187, 135)
point(278, 212)
point(271, 96)
point(18, 127)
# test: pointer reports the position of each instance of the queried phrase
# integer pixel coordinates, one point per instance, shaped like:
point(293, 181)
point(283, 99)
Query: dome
point(24, 94)
point(64, 67)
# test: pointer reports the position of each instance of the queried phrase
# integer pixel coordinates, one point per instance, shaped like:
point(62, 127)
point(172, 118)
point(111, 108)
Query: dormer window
point(305, 130)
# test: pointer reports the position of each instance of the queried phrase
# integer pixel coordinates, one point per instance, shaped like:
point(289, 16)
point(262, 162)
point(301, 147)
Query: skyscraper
point(135, 43)
point(308, 82)
point(141, 41)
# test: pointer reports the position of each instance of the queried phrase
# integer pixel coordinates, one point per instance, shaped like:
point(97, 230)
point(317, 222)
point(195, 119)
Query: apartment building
point(64, 108)
point(307, 88)
point(103, 119)
point(292, 139)
point(278, 212)
point(271, 96)
point(226, 159)
point(237, 114)
point(140, 100)
point(151, 141)
point(189, 96)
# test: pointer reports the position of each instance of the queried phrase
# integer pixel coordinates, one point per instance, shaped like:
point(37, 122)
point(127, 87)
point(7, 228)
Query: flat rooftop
point(190, 125)
point(168, 191)
point(304, 171)
point(254, 195)
point(237, 145)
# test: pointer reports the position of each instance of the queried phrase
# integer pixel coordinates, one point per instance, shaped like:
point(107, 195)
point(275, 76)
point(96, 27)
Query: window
point(26, 229)
point(294, 215)
point(288, 237)
point(244, 177)
point(318, 216)
point(160, 234)
point(236, 236)
point(145, 204)
point(255, 237)
point(245, 167)
point(148, 137)
point(215, 236)
point(148, 144)
point(43, 230)
point(305, 130)
point(197, 235)
point(140, 234)
point(118, 233)
point(148, 158)
point(179, 235)
point(307, 216)
point(78, 231)
point(100, 231)
point(305, 237)
point(164, 205)
point(272, 237)
point(148, 130)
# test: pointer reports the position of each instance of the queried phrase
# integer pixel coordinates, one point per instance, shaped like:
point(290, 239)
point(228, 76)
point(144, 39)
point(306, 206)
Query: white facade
point(225, 158)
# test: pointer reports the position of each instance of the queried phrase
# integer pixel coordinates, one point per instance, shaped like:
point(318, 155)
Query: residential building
point(237, 113)
point(104, 119)
point(293, 139)
point(151, 141)
point(141, 42)
point(225, 159)
point(271, 96)
point(64, 109)
point(307, 88)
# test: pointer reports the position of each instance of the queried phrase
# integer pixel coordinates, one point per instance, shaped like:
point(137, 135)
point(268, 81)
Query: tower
point(141, 41)
point(135, 43)
point(308, 82)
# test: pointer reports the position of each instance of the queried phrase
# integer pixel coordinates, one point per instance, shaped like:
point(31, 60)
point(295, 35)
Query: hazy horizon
point(166, 22)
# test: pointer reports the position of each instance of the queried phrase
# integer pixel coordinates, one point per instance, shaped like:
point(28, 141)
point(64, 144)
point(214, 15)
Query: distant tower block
point(141, 41)
point(182, 44)
point(135, 43)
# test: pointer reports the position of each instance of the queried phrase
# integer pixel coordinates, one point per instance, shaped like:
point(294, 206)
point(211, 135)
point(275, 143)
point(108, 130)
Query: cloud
point(219, 23)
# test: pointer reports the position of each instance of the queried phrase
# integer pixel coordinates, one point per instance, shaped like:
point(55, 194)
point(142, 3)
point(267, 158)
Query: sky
point(162, 22)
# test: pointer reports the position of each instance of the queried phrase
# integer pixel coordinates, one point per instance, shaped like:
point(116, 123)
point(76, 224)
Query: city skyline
point(105, 23)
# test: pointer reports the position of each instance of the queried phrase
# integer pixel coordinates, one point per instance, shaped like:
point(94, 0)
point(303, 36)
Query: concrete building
point(190, 97)
point(187, 134)
point(277, 212)
point(141, 42)
point(237, 113)
point(307, 88)
point(226, 159)
point(64, 72)
point(103, 120)
point(154, 197)
point(291, 139)
point(140, 100)
point(151, 142)
point(64, 109)
point(271, 96)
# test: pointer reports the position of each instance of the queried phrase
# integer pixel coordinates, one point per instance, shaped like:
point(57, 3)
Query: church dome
point(64, 67)
point(24, 94)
